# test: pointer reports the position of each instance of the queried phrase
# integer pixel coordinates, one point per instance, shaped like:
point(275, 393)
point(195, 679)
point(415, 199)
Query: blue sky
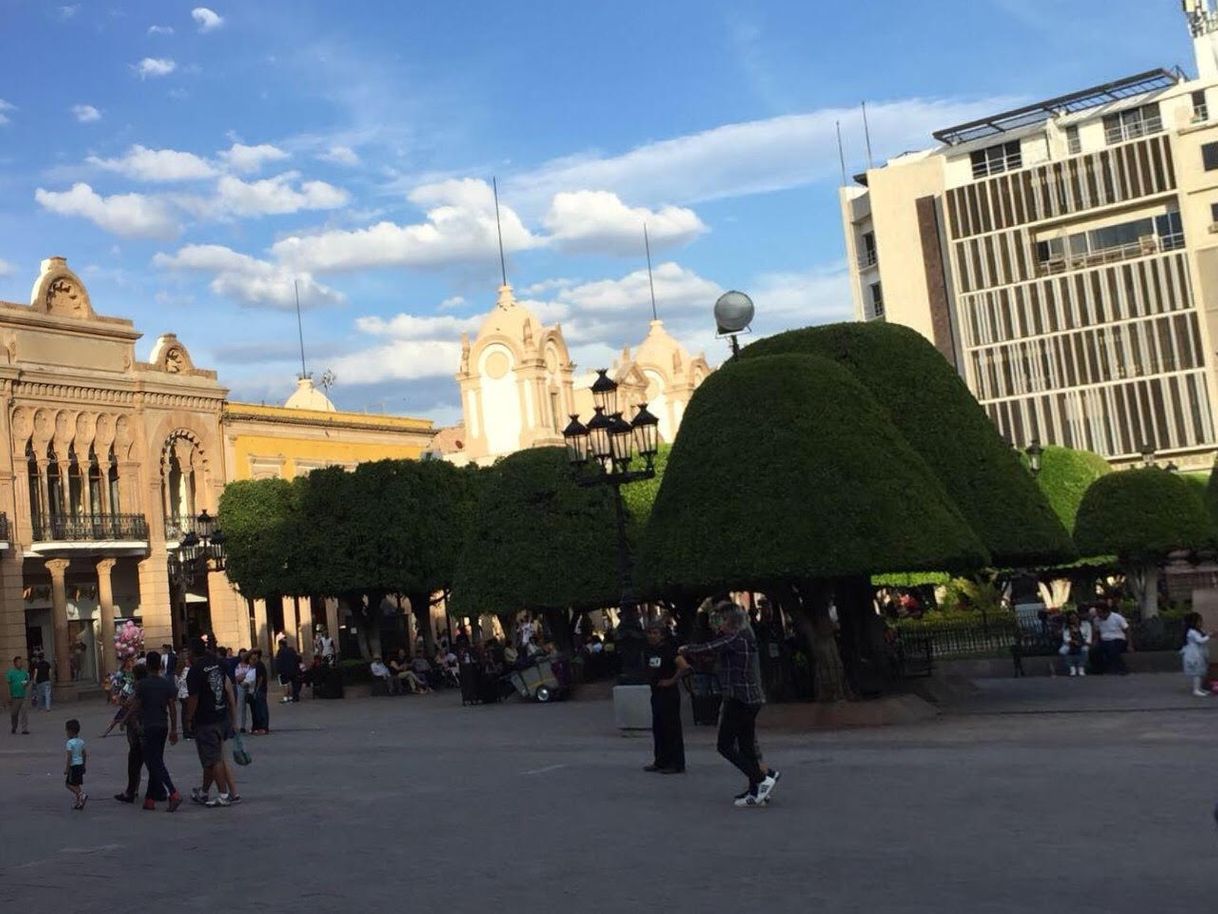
point(191, 162)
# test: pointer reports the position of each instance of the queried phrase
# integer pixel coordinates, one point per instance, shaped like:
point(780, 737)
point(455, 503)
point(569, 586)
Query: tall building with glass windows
point(1064, 257)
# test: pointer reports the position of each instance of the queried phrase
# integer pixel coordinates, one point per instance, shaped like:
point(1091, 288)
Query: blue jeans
point(42, 695)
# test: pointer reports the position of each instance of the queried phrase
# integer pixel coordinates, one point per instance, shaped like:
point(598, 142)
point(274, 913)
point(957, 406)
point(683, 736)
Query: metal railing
point(868, 258)
point(997, 164)
point(178, 527)
point(1151, 244)
point(90, 528)
point(1132, 130)
point(993, 636)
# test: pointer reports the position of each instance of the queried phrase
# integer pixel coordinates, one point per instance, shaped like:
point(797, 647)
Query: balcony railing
point(868, 259)
point(88, 528)
point(177, 527)
point(996, 165)
point(1151, 244)
point(1119, 133)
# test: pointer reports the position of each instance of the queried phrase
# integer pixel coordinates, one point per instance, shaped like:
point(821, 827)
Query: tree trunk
point(559, 623)
point(1144, 582)
point(368, 635)
point(863, 645)
point(829, 676)
point(420, 606)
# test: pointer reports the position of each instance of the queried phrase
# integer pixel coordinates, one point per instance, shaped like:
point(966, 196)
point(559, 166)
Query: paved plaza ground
point(1102, 802)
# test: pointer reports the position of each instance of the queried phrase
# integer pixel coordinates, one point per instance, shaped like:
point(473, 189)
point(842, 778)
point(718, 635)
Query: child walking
point(74, 764)
point(1195, 653)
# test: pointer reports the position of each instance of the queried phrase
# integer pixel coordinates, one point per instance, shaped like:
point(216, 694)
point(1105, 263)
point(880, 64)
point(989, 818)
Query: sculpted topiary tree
point(935, 412)
point(537, 541)
point(1141, 516)
point(788, 477)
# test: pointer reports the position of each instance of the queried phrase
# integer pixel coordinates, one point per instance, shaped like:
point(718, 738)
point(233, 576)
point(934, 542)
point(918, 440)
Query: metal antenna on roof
point(499, 229)
point(304, 372)
point(650, 281)
point(841, 155)
point(867, 134)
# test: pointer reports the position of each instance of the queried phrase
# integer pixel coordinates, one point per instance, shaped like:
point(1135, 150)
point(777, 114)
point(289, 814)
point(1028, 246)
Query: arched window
point(75, 485)
point(55, 484)
point(37, 508)
point(97, 505)
point(181, 462)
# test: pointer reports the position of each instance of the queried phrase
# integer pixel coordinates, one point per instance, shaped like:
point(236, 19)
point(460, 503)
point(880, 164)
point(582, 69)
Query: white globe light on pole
point(733, 314)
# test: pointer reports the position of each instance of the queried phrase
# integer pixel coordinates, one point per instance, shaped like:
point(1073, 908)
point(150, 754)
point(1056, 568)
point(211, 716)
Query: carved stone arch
point(21, 423)
point(124, 439)
point(104, 431)
point(86, 430)
point(60, 292)
point(44, 427)
point(65, 427)
point(169, 355)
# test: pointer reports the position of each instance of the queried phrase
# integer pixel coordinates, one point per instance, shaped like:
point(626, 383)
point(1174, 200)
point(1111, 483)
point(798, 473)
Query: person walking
point(18, 685)
point(135, 748)
point(743, 698)
point(665, 667)
point(209, 713)
point(1076, 643)
point(155, 706)
point(287, 666)
point(1195, 653)
point(40, 671)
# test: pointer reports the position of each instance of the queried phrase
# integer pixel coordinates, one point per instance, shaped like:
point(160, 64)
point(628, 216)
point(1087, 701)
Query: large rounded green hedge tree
point(788, 477)
point(1141, 516)
point(537, 541)
point(933, 409)
point(1065, 476)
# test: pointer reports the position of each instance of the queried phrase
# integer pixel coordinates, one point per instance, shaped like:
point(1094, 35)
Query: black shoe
point(651, 767)
point(672, 771)
point(125, 798)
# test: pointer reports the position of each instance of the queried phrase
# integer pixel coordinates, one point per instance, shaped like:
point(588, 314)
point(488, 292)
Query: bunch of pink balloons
point(129, 641)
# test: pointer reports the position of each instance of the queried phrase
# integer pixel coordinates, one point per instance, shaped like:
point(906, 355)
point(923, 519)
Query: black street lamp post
point(610, 444)
point(1034, 452)
point(199, 551)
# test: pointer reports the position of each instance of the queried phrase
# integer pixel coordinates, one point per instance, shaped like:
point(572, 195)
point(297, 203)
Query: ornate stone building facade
point(518, 385)
point(110, 460)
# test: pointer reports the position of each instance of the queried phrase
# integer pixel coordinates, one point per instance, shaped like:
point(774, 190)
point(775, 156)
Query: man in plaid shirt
point(740, 676)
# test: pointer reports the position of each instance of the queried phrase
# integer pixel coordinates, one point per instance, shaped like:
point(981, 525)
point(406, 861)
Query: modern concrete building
point(1064, 257)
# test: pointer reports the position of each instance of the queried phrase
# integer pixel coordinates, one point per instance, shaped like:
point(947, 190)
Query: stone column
point(156, 600)
point(59, 615)
point(229, 613)
point(332, 620)
point(304, 614)
point(263, 638)
point(105, 609)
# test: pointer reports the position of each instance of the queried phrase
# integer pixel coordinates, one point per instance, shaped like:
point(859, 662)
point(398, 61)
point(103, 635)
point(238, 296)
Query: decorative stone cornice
point(277, 415)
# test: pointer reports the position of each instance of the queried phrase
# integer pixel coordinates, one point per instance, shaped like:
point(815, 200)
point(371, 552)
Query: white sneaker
point(219, 800)
point(1201, 694)
point(1073, 671)
point(1082, 671)
point(766, 787)
point(750, 801)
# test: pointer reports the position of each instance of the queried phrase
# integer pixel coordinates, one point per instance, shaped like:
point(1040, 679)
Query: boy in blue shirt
point(74, 764)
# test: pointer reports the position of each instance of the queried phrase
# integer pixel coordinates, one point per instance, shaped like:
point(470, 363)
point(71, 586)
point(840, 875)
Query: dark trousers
point(296, 684)
point(262, 715)
point(666, 727)
point(159, 782)
point(1110, 654)
point(135, 762)
point(738, 738)
point(187, 732)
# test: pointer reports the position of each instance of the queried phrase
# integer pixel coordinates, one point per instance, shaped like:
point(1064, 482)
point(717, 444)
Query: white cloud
point(160, 30)
point(145, 164)
point(547, 285)
point(460, 227)
point(274, 196)
point(399, 360)
point(68, 12)
point(129, 215)
point(86, 114)
point(455, 301)
point(598, 221)
point(251, 158)
point(247, 279)
point(788, 300)
point(748, 157)
point(5, 106)
point(155, 66)
point(6, 268)
point(677, 288)
point(207, 20)
point(340, 155)
point(413, 327)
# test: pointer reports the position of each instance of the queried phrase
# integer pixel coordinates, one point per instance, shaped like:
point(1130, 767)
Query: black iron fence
point(89, 528)
point(992, 635)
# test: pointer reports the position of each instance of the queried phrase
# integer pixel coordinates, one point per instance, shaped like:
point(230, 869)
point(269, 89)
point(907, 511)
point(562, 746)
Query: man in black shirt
point(40, 671)
point(156, 706)
point(665, 668)
point(209, 710)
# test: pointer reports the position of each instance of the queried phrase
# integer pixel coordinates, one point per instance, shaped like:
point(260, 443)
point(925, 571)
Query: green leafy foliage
point(259, 520)
point(786, 468)
point(537, 541)
point(934, 410)
point(1065, 476)
point(640, 496)
point(1141, 515)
